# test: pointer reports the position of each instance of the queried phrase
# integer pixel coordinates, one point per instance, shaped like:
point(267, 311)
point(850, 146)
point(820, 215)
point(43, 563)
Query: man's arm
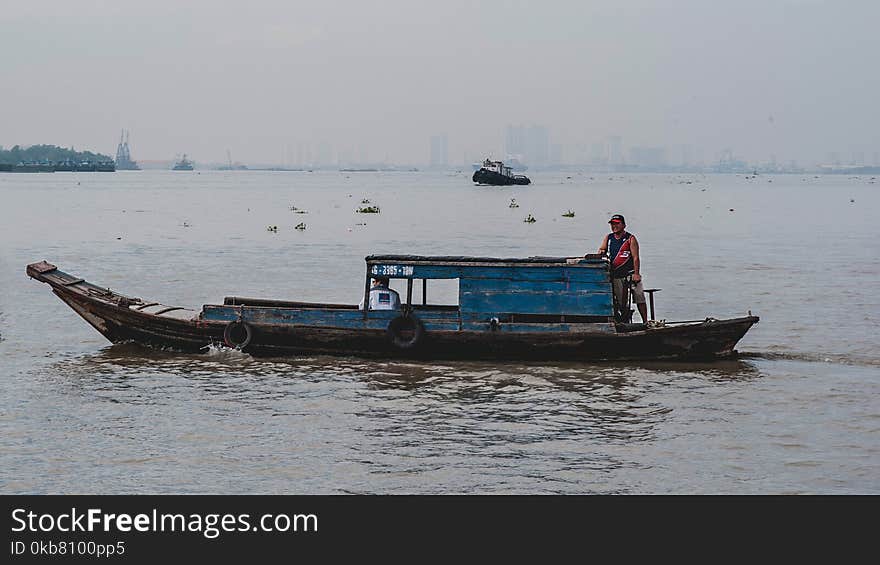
point(634, 251)
point(603, 247)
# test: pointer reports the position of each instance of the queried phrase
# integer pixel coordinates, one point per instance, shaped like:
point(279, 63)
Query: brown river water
point(797, 412)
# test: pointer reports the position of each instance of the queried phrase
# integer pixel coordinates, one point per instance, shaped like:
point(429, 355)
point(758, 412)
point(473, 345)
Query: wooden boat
point(546, 308)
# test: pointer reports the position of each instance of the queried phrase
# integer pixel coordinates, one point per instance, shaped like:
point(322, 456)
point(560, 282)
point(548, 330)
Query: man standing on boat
point(622, 250)
point(382, 296)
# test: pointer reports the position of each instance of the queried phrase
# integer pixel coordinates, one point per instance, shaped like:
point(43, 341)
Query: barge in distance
point(541, 308)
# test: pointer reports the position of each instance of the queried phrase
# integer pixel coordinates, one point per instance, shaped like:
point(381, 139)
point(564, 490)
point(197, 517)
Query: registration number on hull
point(392, 270)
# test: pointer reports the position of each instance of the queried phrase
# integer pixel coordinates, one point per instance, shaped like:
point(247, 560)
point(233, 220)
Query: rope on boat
point(704, 321)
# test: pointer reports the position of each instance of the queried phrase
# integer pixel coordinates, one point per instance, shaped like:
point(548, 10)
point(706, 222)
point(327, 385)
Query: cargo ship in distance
point(124, 161)
point(182, 164)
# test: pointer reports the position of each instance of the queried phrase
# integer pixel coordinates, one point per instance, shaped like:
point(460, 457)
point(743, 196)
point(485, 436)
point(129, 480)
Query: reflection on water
point(499, 377)
point(425, 412)
point(391, 373)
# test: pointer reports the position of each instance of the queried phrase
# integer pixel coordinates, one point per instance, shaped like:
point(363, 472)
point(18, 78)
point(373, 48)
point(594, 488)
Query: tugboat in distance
point(496, 173)
point(183, 164)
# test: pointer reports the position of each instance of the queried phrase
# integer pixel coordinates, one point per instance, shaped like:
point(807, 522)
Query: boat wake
point(857, 360)
point(220, 352)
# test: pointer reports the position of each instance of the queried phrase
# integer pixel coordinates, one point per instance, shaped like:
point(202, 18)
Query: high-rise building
point(685, 155)
point(439, 151)
point(614, 148)
point(598, 155)
point(538, 146)
point(324, 156)
point(648, 157)
point(528, 144)
point(515, 141)
point(345, 157)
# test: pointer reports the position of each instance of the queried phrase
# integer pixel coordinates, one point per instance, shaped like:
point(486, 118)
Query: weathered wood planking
point(532, 297)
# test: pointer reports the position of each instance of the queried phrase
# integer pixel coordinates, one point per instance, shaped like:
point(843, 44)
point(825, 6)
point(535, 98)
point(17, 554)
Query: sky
point(279, 82)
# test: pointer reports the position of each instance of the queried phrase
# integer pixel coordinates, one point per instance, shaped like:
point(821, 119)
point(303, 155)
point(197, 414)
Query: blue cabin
point(537, 289)
point(510, 295)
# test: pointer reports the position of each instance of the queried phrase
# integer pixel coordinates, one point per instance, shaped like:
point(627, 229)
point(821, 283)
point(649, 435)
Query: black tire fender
point(232, 334)
point(405, 332)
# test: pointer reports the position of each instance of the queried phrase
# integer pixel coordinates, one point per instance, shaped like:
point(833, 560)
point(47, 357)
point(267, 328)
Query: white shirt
point(382, 298)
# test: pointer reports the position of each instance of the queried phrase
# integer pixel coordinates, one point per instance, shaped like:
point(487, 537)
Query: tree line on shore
point(47, 153)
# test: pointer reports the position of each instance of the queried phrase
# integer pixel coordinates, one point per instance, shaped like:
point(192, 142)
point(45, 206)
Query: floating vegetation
point(273, 229)
point(365, 201)
point(296, 210)
point(300, 226)
point(530, 219)
point(568, 214)
point(513, 203)
point(368, 210)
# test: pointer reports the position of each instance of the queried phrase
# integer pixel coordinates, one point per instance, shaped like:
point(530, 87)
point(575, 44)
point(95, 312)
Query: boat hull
point(715, 339)
point(122, 319)
point(484, 176)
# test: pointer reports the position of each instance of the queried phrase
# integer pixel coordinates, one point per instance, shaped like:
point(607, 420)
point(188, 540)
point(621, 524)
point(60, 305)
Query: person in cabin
point(622, 249)
point(382, 297)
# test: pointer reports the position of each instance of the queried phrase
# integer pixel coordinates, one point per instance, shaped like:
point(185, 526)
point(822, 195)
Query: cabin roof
point(440, 260)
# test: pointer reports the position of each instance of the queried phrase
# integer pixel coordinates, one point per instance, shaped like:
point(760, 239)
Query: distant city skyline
point(772, 81)
point(530, 145)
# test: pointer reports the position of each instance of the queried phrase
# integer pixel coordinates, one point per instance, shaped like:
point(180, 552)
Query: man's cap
point(617, 218)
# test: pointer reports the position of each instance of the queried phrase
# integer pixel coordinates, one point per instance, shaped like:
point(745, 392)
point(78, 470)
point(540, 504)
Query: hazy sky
point(797, 79)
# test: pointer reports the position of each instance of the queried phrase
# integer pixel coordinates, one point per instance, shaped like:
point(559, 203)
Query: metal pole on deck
point(424, 292)
point(367, 292)
point(651, 292)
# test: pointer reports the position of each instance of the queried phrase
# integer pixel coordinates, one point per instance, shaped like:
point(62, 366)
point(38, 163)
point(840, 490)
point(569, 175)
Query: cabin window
point(400, 286)
point(439, 292)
